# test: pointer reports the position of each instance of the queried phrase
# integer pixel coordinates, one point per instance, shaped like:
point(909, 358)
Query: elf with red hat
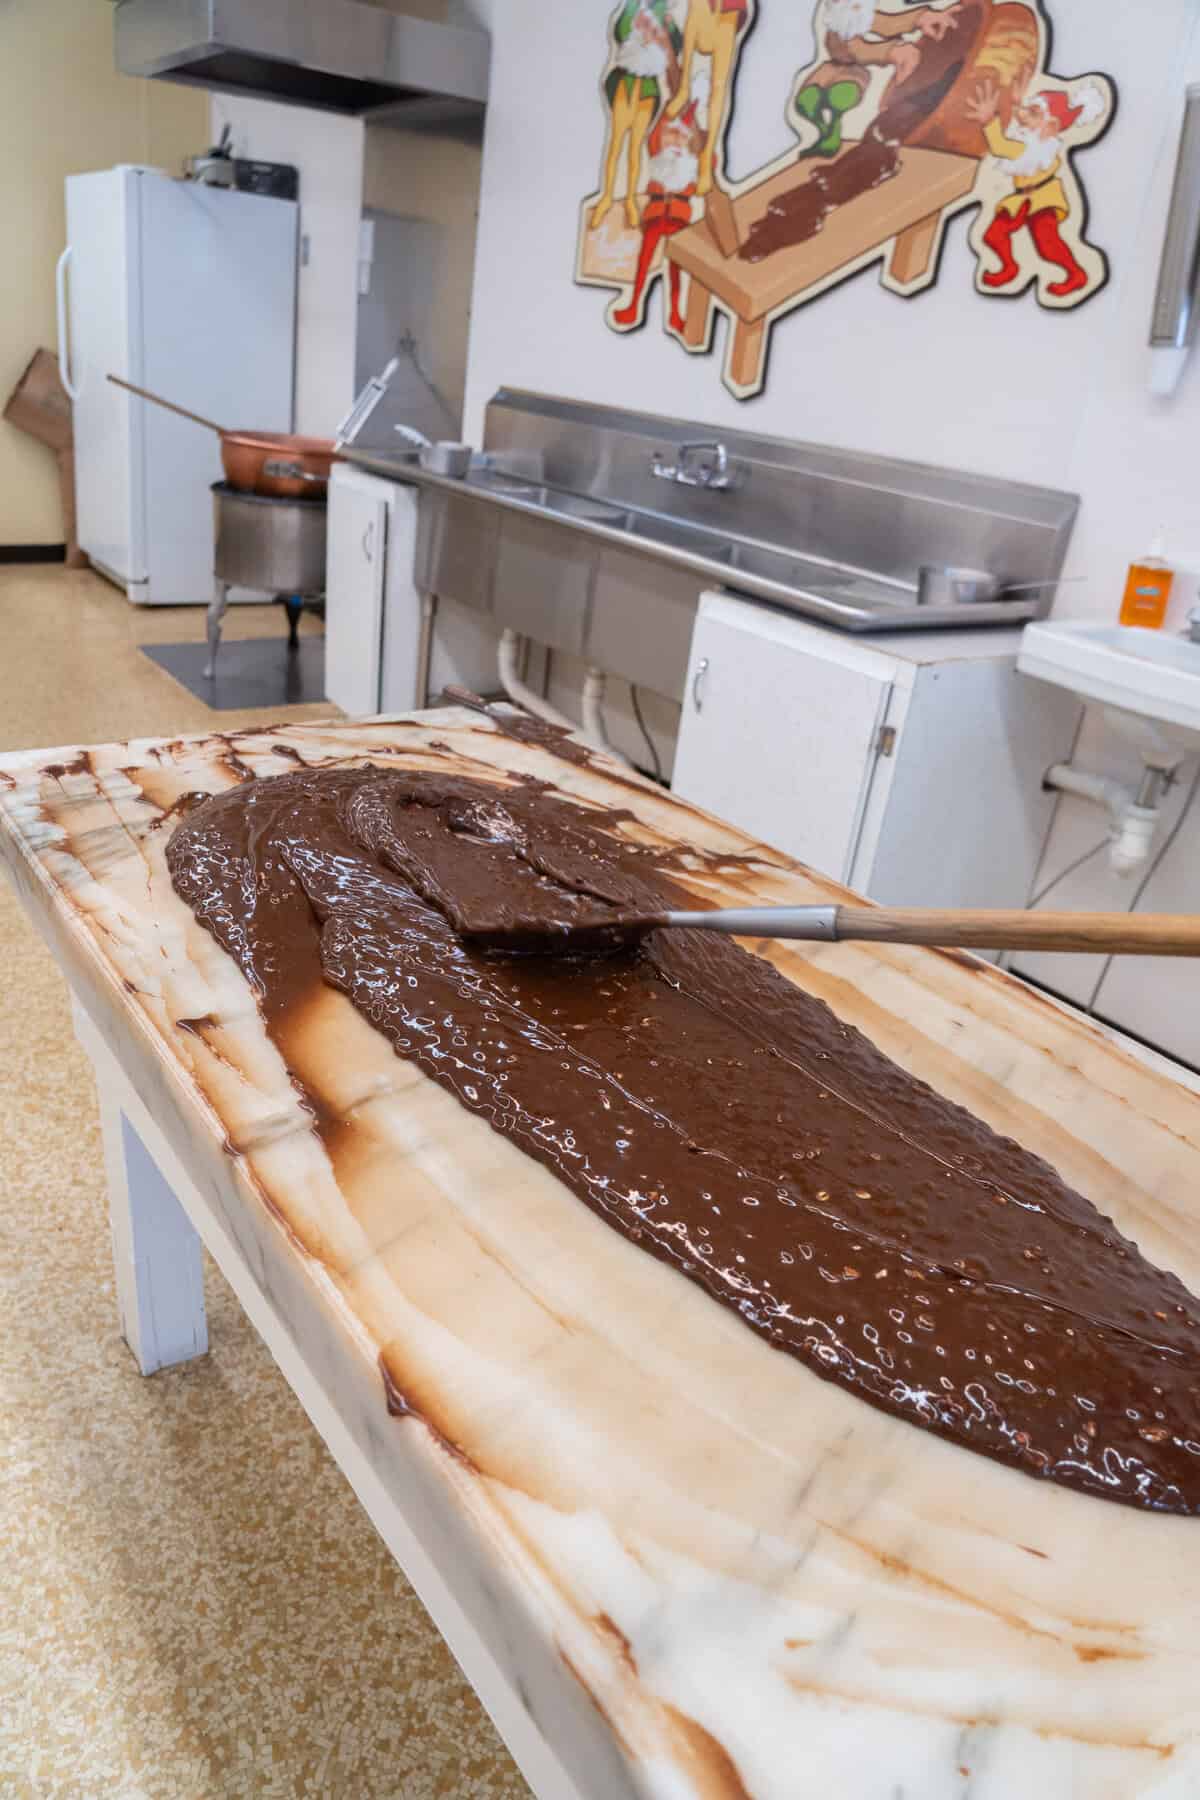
point(1033, 152)
point(674, 170)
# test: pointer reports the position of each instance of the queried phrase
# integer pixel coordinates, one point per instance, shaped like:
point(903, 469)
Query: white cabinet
point(373, 607)
point(781, 744)
point(908, 765)
point(356, 558)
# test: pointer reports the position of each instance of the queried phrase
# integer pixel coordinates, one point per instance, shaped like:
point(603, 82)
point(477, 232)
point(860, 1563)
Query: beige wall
point(63, 110)
point(424, 176)
point(327, 149)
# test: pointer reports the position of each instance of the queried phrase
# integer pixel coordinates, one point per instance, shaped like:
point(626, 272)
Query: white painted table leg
point(156, 1252)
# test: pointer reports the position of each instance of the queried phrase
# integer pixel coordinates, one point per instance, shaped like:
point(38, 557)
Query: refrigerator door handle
point(60, 296)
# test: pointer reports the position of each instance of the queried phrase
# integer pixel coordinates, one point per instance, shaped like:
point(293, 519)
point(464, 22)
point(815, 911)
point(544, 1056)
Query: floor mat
point(250, 672)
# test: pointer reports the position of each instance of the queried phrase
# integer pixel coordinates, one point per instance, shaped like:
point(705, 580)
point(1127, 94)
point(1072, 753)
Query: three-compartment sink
point(1136, 675)
point(831, 536)
point(758, 563)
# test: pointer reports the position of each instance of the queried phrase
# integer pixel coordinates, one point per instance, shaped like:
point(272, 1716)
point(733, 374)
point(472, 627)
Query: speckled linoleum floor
point(193, 1603)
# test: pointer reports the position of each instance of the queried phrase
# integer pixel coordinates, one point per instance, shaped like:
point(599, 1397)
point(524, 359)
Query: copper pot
point(279, 465)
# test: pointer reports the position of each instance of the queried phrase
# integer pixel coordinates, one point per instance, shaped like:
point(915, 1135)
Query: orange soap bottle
point(1147, 590)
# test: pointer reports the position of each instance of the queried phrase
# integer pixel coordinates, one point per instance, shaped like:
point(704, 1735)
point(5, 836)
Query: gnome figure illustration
point(676, 146)
point(858, 37)
point(644, 68)
point(1034, 153)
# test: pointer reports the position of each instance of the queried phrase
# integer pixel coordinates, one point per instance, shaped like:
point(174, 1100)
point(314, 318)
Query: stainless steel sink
point(832, 534)
point(696, 540)
point(579, 506)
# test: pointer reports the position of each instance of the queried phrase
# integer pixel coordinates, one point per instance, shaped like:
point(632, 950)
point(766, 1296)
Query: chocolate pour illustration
point(715, 1114)
point(794, 217)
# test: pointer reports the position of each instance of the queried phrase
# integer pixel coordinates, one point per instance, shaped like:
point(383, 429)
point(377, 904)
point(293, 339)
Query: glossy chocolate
point(722, 1118)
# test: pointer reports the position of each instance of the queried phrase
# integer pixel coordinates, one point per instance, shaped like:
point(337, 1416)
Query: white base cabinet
point(373, 607)
point(907, 765)
point(355, 564)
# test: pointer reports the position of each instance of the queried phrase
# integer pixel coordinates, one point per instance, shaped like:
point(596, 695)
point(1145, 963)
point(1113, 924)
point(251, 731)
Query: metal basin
point(552, 500)
point(579, 506)
point(695, 539)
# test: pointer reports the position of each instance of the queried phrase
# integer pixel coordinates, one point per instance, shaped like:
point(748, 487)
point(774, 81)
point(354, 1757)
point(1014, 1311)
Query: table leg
point(697, 329)
point(156, 1252)
point(216, 612)
point(912, 251)
point(747, 353)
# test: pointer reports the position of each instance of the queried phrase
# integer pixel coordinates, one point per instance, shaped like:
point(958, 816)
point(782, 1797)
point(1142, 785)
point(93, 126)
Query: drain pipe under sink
point(592, 707)
point(521, 694)
point(518, 691)
point(1132, 819)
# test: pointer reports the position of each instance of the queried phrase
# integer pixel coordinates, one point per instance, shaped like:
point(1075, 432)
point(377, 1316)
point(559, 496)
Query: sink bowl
point(697, 539)
point(1136, 675)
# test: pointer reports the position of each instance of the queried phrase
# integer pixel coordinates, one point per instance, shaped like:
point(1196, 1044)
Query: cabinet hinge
point(885, 743)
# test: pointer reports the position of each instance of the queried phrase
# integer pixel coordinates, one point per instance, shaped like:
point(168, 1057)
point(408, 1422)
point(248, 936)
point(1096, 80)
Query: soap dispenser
point(1148, 590)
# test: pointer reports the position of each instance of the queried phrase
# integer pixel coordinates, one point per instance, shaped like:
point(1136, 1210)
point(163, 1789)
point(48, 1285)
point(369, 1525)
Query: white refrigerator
point(189, 291)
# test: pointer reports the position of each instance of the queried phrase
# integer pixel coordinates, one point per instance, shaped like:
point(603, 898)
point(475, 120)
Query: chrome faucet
point(689, 471)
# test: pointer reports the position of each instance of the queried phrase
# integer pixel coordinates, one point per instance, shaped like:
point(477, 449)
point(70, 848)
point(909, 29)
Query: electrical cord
point(1148, 877)
point(655, 758)
point(1069, 870)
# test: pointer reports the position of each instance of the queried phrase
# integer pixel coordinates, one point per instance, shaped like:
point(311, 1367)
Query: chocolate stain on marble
point(178, 809)
point(1091, 1653)
point(238, 768)
point(713, 1772)
point(715, 1114)
point(402, 1403)
point(869, 1702)
point(80, 764)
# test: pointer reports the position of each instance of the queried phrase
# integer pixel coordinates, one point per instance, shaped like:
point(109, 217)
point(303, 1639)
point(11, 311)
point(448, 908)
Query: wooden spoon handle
point(168, 405)
point(1112, 934)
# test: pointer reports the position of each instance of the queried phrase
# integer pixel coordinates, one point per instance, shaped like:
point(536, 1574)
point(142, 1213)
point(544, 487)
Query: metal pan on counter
point(945, 584)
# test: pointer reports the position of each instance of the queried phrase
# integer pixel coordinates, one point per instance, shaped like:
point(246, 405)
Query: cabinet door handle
point(368, 540)
point(698, 684)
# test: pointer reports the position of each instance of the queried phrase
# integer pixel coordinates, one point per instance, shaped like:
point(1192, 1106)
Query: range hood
point(340, 55)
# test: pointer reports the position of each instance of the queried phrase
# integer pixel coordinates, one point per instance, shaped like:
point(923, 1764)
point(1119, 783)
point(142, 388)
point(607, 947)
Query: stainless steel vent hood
point(340, 55)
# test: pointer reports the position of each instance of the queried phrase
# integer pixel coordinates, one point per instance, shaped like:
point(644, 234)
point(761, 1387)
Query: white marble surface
point(674, 1562)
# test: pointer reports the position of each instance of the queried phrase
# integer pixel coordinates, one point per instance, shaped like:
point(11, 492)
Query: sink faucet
point(690, 471)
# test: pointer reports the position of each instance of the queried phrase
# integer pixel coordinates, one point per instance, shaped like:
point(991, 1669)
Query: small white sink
point(1135, 675)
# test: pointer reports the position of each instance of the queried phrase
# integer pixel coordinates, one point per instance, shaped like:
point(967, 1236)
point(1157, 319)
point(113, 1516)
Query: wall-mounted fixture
point(339, 55)
point(1173, 326)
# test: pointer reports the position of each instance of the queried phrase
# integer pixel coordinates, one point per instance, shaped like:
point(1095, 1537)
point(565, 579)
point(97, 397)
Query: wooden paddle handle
point(1113, 934)
point(168, 405)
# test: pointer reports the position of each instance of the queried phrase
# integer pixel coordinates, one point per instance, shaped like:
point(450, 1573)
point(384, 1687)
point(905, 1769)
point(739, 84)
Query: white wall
point(422, 176)
point(65, 110)
point(950, 376)
point(328, 151)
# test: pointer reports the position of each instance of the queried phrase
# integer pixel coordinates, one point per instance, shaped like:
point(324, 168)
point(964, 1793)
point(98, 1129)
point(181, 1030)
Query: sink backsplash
point(867, 512)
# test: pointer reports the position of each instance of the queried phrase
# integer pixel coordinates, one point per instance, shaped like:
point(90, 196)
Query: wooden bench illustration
point(900, 221)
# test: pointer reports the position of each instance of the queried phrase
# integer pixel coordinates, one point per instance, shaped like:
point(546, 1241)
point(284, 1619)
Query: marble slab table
point(672, 1561)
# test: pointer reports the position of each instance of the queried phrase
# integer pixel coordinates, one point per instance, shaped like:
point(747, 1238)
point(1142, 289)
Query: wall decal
point(906, 113)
